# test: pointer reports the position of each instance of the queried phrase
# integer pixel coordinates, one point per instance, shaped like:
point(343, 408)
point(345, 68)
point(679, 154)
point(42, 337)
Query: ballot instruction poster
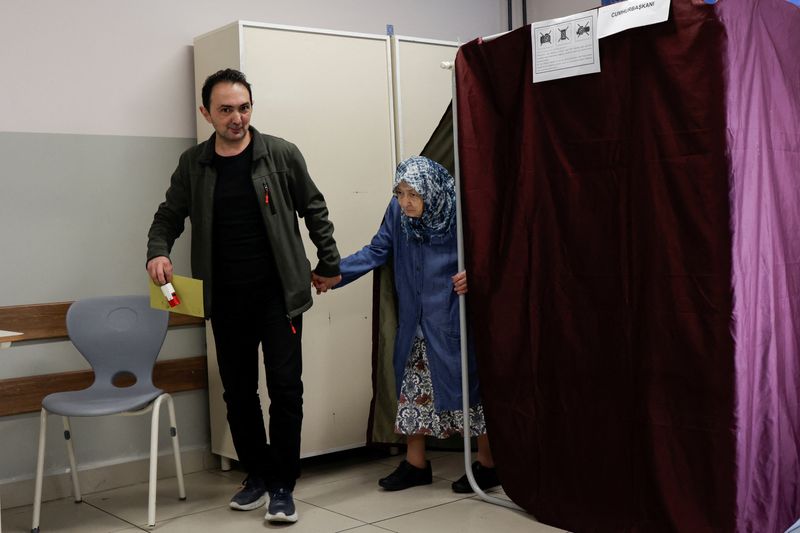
point(565, 47)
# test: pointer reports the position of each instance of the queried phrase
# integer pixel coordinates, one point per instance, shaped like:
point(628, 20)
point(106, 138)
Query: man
point(243, 192)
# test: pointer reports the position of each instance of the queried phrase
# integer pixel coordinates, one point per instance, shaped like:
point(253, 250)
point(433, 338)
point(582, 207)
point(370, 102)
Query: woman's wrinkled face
point(409, 199)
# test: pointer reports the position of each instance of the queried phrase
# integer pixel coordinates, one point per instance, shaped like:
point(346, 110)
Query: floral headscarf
point(438, 191)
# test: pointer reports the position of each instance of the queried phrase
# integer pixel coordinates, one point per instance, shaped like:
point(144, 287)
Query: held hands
point(460, 283)
point(160, 270)
point(322, 284)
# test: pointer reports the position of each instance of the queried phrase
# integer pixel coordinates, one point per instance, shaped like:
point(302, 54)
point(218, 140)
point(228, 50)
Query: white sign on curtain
point(621, 16)
point(565, 47)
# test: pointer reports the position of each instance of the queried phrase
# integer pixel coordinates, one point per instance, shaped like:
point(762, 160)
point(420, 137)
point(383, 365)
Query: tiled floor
point(334, 494)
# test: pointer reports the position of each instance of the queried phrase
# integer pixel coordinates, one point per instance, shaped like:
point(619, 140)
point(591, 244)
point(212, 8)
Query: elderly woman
point(418, 233)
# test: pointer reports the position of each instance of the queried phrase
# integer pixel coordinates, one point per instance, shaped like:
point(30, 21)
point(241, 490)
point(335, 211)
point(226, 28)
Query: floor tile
point(497, 492)
point(204, 491)
point(449, 466)
point(334, 495)
point(344, 464)
point(373, 470)
point(391, 461)
point(234, 475)
point(445, 464)
point(360, 497)
point(370, 529)
point(466, 516)
point(312, 520)
point(63, 516)
point(326, 473)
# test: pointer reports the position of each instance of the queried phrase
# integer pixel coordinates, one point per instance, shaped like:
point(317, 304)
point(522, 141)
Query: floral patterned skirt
point(416, 414)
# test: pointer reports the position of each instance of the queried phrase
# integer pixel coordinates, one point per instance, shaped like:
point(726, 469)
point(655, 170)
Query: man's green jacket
point(284, 191)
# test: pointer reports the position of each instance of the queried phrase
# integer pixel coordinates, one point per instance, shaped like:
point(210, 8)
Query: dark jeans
point(238, 328)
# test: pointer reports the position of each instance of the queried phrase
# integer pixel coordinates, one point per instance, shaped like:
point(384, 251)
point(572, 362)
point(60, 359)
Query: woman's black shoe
point(485, 477)
point(407, 475)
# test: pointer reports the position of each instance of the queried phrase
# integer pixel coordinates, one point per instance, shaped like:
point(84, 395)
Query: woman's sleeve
point(373, 255)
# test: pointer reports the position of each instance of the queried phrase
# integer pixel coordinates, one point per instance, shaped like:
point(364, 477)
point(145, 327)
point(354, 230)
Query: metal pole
point(462, 313)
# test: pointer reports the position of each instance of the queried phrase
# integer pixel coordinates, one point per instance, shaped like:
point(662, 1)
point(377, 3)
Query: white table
point(7, 337)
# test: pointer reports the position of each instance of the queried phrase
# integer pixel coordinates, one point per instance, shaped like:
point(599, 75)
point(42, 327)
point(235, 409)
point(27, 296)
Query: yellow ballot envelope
point(189, 292)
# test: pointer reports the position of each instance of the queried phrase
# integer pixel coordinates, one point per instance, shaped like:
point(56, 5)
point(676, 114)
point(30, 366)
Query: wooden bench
point(48, 322)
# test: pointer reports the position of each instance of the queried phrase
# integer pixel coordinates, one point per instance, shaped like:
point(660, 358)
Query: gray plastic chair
point(121, 337)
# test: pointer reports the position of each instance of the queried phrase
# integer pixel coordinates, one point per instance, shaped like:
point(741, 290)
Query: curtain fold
point(598, 244)
point(631, 239)
point(764, 124)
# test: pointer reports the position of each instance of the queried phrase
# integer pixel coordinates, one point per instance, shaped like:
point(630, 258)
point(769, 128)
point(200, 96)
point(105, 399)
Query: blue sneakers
point(252, 495)
point(281, 506)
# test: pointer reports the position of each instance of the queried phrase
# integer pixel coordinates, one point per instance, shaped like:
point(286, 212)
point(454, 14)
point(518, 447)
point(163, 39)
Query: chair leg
point(151, 494)
point(37, 492)
point(73, 466)
point(176, 448)
point(151, 500)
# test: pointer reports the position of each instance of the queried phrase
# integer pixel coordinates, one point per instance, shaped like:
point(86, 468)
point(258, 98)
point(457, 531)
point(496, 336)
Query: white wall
point(547, 9)
point(113, 67)
point(98, 103)
point(542, 10)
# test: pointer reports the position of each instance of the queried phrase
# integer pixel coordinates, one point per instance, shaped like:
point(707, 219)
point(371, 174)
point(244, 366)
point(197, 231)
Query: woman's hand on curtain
point(460, 283)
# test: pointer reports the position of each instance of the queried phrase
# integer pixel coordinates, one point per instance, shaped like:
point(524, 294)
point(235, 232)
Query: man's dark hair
point(228, 75)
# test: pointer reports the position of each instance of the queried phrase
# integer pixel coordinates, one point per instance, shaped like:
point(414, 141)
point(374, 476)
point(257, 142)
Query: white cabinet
point(332, 94)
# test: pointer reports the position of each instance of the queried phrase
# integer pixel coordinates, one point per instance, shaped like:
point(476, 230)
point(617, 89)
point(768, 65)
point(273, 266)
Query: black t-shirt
point(241, 253)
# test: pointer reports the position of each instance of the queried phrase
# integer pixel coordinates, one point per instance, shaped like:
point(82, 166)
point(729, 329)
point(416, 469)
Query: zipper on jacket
point(294, 331)
point(267, 198)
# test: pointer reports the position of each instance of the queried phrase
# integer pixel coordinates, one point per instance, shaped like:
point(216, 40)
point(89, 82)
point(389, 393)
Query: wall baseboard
point(95, 478)
point(48, 321)
point(25, 394)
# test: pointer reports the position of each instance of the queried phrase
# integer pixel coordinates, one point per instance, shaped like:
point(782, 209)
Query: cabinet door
point(354, 106)
point(330, 94)
point(423, 90)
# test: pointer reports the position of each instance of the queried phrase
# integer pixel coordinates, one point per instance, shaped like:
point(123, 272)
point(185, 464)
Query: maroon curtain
point(597, 237)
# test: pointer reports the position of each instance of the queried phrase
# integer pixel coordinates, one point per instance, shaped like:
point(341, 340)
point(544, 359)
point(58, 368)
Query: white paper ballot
point(621, 16)
point(565, 47)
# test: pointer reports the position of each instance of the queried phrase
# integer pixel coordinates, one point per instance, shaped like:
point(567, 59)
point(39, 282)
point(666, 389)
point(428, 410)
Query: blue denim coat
point(425, 297)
